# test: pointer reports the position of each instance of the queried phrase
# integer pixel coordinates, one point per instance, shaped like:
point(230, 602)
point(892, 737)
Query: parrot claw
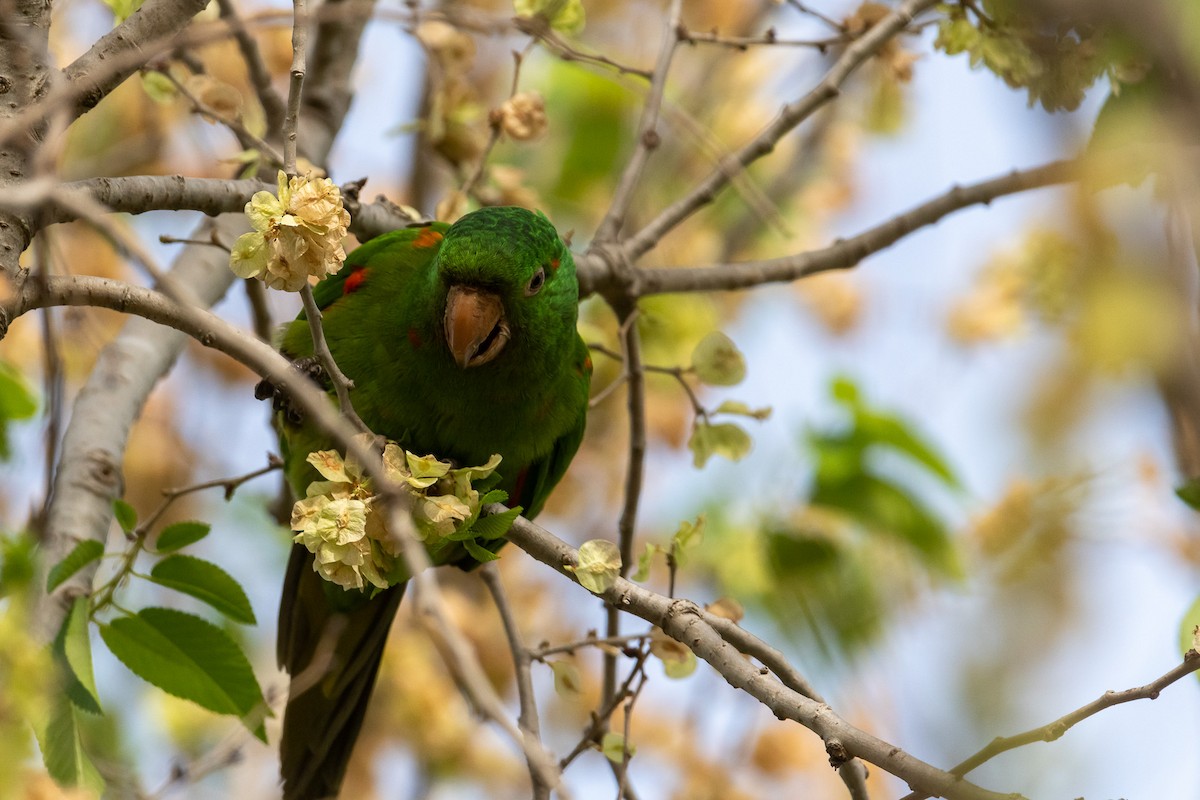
point(308, 367)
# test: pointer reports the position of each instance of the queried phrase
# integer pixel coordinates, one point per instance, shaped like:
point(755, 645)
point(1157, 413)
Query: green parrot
point(461, 342)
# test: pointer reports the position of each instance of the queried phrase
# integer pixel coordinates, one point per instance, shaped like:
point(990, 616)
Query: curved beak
point(476, 330)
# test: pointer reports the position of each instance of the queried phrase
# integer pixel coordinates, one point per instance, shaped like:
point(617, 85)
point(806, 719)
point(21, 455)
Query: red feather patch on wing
point(355, 280)
point(427, 238)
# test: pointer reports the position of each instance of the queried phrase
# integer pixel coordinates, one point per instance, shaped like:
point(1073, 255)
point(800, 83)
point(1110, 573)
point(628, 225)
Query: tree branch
point(92, 76)
point(212, 196)
point(1054, 730)
point(522, 667)
point(686, 623)
point(648, 137)
point(843, 254)
point(788, 118)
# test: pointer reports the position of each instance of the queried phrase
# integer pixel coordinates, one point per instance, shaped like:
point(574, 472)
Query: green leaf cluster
point(716, 361)
point(846, 479)
point(1056, 62)
point(179, 652)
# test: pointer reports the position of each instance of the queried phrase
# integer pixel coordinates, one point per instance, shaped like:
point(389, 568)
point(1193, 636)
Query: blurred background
point(959, 518)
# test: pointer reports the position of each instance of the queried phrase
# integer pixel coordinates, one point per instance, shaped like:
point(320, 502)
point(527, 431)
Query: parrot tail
point(332, 655)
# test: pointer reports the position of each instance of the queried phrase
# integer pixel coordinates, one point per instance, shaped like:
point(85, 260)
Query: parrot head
point(508, 284)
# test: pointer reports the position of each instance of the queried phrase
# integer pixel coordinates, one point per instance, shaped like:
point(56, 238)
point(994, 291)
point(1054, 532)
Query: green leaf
point(181, 534)
point(63, 753)
point(564, 16)
point(741, 409)
point(688, 535)
point(479, 553)
point(1187, 628)
point(204, 581)
point(494, 526)
point(567, 681)
point(723, 439)
point(123, 9)
point(614, 747)
point(74, 650)
point(17, 401)
point(126, 516)
point(1190, 493)
point(494, 496)
point(18, 564)
point(188, 657)
point(717, 361)
point(81, 555)
point(599, 565)
point(890, 431)
point(158, 87)
point(644, 562)
point(677, 658)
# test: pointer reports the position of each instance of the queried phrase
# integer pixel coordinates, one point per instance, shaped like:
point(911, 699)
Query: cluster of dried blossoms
point(296, 235)
point(343, 523)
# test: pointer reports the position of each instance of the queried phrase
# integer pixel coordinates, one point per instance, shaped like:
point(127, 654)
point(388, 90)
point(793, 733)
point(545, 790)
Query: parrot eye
point(536, 282)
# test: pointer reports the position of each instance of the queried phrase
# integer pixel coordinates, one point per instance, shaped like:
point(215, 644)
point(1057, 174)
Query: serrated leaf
point(615, 748)
point(741, 409)
point(599, 565)
point(63, 753)
point(204, 581)
point(478, 552)
point(494, 496)
point(74, 648)
point(126, 515)
point(188, 657)
point(81, 555)
point(567, 680)
point(181, 534)
point(717, 361)
point(723, 439)
point(644, 562)
point(494, 526)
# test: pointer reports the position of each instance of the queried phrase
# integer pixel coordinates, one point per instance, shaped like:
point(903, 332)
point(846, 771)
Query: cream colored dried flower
point(216, 95)
point(296, 235)
point(453, 49)
point(523, 116)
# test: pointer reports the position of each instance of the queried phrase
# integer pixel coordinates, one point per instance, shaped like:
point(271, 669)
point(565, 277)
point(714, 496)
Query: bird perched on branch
point(461, 342)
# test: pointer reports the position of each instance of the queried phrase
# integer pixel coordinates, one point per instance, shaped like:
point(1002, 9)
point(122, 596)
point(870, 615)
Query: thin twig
point(256, 68)
point(636, 404)
point(592, 641)
point(522, 660)
point(786, 120)
point(648, 137)
point(494, 123)
point(230, 485)
point(538, 28)
point(341, 384)
point(244, 136)
point(1054, 730)
point(769, 38)
point(291, 120)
